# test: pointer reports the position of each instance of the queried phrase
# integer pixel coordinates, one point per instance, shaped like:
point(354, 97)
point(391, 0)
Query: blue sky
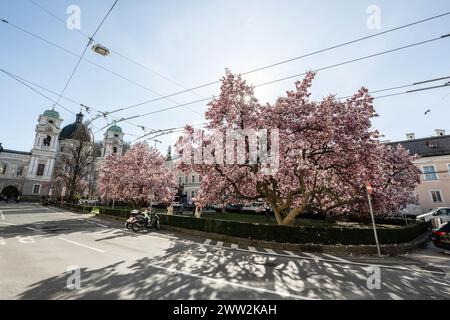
point(193, 41)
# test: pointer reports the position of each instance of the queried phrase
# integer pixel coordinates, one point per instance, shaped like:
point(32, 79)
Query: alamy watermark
point(74, 19)
point(374, 19)
point(374, 278)
point(235, 146)
point(74, 280)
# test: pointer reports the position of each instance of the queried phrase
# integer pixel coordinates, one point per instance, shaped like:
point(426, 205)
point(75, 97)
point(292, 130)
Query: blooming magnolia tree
point(137, 177)
point(325, 153)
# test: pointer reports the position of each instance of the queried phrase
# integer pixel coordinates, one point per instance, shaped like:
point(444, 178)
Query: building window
point(186, 179)
point(193, 179)
point(40, 170)
point(179, 180)
point(3, 167)
point(36, 189)
point(200, 178)
point(47, 141)
point(192, 194)
point(62, 149)
point(114, 150)
point(429, 173)
point(19, 170)
point(436, 196)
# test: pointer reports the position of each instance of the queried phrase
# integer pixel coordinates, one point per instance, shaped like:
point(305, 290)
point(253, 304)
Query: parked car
point(236, 208)
point(209, 209)
point(443, 213)
point(441, 236)
point(253, 207)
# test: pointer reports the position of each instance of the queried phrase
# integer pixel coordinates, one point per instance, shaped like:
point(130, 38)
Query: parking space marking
point(33, 229)
point(270, 251)
point(82, 245)
point(291, 253)
point(207, 241)
point(311, 255)
point(8, 224)
point(252, 249)
point(335, 258)
point(1, 213)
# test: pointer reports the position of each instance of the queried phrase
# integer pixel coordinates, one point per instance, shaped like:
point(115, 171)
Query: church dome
point(76, 130)
point(51, 114)
point(115, 128)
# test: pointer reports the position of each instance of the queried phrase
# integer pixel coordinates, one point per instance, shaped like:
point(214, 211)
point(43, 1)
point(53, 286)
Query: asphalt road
point(48, 253)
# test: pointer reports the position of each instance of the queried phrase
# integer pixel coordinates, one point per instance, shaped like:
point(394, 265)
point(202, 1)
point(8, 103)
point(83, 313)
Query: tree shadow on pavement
point(192, 271)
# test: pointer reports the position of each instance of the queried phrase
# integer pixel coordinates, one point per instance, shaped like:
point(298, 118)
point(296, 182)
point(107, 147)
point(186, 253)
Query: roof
point(70, 131)
point(51, 114)
point(115, 128)
point(426, 147)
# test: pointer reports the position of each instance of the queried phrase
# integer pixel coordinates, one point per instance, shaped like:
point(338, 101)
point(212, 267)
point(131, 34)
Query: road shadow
point(191, 272)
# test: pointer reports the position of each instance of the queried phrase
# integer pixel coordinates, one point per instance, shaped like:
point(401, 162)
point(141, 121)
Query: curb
point(386, 249)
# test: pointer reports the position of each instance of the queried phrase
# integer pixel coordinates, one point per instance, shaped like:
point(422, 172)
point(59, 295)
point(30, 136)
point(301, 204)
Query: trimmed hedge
point(299, 234)
point(321, 234)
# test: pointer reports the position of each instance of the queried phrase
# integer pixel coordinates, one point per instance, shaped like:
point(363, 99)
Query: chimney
point(410, 136)
point(439, 132)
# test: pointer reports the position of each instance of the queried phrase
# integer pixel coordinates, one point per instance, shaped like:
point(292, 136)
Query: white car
point(253, 207)
point(443, 213)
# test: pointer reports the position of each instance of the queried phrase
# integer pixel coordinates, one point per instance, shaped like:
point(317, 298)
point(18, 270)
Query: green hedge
point(298, 234)
point(79, 207)
point(321, 234)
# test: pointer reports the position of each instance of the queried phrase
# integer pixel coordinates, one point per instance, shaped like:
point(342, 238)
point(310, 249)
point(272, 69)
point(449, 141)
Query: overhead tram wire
point(85, 49)
point(89, 61)
point(400, 87)
point(290, 60)
point(123, 56)
point(248, 72)
point(65, 98)
point(38, 92)
point(297, 75)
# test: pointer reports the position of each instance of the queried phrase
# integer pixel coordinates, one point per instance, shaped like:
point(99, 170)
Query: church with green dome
point(31, 173)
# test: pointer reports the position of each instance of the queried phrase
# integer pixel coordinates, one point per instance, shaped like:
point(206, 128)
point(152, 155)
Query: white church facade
point(31, 173)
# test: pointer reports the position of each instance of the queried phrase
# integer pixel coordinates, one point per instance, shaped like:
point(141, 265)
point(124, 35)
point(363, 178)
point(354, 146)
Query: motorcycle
point(140, 220)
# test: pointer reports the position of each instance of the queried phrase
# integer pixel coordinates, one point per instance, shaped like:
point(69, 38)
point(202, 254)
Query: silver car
point(443, 213)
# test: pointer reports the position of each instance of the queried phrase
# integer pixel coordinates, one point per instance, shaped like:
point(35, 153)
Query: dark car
point(441, 236)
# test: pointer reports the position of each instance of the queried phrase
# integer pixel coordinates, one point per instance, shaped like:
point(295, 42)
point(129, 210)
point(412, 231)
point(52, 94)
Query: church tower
point(43, 153)
point(113, 141)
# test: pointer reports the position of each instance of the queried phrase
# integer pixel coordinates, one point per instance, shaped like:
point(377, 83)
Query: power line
point(290, 60)
point(71, 100)
point(400, 87)
point(84, 51)
point(123, 56)
point(293, 76)
point(38, 92)
point(90, 62)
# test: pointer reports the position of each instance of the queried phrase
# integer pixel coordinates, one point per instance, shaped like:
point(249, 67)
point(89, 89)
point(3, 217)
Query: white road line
point(82, 245)
point(101, 225)
point(335, 258)
point(270, 251)
point(219, 243)
point(207, 241)
point(291, 253)
point(311, 255)
point(34, 229)
point(1, 213)
point(252, 249)
point(8, 224)
point(235, 284)
point(234, 246)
